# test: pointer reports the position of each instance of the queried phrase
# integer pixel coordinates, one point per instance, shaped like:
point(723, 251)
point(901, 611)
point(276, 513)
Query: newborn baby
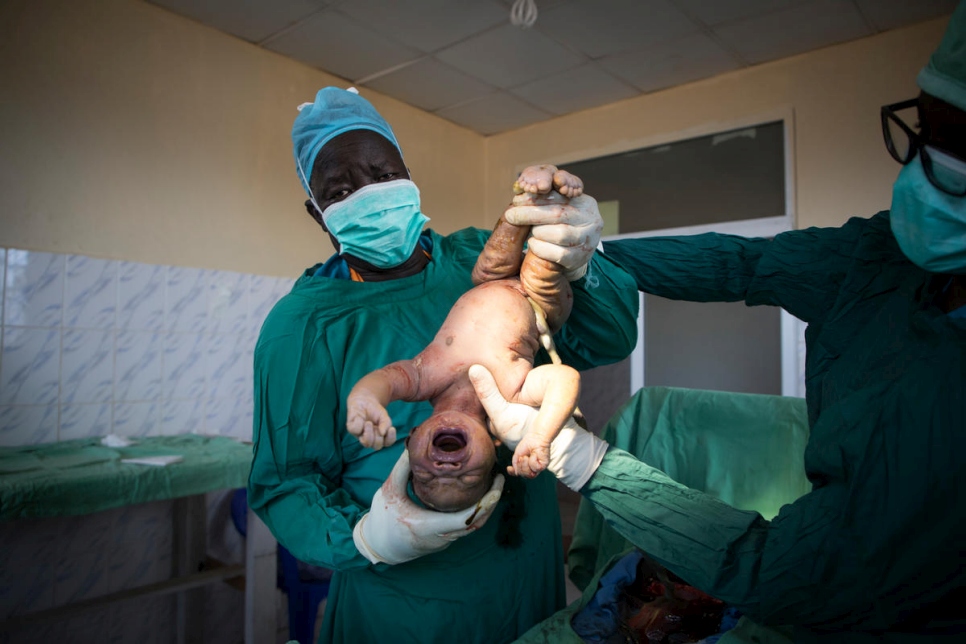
point(497, 325)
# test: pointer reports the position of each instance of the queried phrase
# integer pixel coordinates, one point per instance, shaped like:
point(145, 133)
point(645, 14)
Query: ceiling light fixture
point(523, 13)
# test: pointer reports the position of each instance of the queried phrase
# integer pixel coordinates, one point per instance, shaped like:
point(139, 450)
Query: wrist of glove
point(564, 233)
point(575, 454)
point(396, 530)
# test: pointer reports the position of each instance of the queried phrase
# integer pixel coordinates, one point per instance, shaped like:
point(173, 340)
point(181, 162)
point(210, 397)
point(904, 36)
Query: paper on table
point(113, 440)
point(158, 461)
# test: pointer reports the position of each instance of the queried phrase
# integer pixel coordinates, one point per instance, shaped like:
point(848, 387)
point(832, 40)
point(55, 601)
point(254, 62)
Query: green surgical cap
point(334, 112)
point(944, 76)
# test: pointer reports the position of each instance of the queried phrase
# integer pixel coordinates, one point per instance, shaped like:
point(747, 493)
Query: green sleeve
point(706, 542)
point(297, 457)
point(602, 327)
point(769, 570)
point(797, 270)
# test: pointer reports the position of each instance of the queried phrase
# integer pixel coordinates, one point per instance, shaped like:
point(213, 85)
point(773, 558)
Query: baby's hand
point(367, 420)
point(531, 456)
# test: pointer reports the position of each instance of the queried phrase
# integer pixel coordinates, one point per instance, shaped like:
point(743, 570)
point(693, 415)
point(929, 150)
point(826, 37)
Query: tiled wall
point(92, 347)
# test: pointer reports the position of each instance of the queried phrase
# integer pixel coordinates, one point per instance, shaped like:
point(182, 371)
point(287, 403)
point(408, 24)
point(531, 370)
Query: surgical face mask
point(379, 223)
point(929, 224)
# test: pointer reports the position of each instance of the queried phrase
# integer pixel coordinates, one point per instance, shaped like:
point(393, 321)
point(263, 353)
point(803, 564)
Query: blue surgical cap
point(944, 76)
point(334, 112)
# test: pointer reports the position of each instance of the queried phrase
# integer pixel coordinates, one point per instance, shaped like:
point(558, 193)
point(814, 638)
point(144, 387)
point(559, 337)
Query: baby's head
point(452, 458)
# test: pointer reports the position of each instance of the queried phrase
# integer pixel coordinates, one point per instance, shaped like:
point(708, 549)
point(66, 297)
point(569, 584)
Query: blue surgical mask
point(379, 223)
point(929, 224)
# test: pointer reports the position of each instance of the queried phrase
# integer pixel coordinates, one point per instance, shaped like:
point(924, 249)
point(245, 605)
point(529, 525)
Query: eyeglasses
point(904, 143)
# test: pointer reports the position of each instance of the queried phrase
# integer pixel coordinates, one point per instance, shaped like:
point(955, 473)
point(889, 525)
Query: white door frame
point(792, 329)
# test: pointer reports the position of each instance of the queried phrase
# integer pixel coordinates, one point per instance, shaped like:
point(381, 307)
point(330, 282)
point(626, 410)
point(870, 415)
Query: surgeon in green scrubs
point(877, 550)
point(404, 573)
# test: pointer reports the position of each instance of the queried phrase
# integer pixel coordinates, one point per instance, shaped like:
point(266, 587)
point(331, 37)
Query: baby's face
point(451, 456)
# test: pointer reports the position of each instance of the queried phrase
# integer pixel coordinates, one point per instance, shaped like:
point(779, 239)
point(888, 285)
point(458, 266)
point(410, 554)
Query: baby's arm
point(554, 389)
point(366, 415)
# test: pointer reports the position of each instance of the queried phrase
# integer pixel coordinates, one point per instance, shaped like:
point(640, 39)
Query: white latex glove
point(396, 530)
point(575, 454)
point(565, 233)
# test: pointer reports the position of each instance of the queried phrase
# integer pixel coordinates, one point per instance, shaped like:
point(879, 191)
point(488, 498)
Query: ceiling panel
point(430, 85)
point(601, 27)
point(508, 56)
point(253, 20)
point(796, 30)
point(339, 45)
point(427, 25)
point(463, 60)
point(495, 113)
point(889, 14)
point(575, 89)
point(714, 12)
point(671, 63)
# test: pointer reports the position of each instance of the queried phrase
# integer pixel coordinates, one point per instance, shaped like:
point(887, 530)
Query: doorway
point(734, 179)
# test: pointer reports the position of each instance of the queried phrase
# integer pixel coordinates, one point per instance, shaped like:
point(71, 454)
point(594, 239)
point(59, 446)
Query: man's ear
point(315, 214)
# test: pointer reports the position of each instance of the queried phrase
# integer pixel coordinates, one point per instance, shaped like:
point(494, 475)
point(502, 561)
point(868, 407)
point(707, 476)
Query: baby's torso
point(492, 324)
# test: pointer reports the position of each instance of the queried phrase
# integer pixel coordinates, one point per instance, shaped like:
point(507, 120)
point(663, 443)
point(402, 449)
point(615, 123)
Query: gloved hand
point(565, 233)
point(396, 530)
point(575, 454)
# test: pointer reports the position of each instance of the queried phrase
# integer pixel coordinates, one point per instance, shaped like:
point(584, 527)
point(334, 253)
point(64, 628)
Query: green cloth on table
point(876, 546)
point(82, 476)
point(311, 480)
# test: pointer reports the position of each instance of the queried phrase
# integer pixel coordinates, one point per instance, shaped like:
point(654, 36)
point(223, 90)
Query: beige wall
point(132, 133)
point(841, 168)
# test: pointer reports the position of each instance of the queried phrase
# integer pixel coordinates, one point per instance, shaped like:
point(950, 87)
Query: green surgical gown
point(878, 547)
point(311, 480)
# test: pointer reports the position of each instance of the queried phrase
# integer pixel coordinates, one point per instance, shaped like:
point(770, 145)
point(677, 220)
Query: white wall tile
point(227, 302)
point(34, 291)
point(80, 577)
point(186, 301)
point(228, 365)
point(30, 367)
point(137, 366)
point(182, 417)
point(262, 295)
point(27, 424)
point(183, 370)
point(85, 420)
point(3, 277)
point(87, 371)
point(90, 293)
point(34, 577)
point(137, 419)
point(225, 416)
point(90, 346)
point(140, 296)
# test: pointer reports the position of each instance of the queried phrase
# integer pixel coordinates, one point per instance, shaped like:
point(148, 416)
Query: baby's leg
point(554, 389)
point(503, 253)
point(548, 287)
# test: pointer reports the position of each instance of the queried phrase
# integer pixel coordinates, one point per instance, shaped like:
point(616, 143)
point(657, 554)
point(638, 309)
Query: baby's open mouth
point(448, 446)
point(449, 441)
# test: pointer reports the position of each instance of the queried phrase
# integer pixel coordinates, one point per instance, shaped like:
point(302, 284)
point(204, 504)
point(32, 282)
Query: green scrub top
point(878, 545)
point(311, 480)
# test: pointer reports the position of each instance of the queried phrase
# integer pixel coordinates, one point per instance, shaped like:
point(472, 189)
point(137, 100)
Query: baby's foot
point(536, 179)
point(567, 184)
